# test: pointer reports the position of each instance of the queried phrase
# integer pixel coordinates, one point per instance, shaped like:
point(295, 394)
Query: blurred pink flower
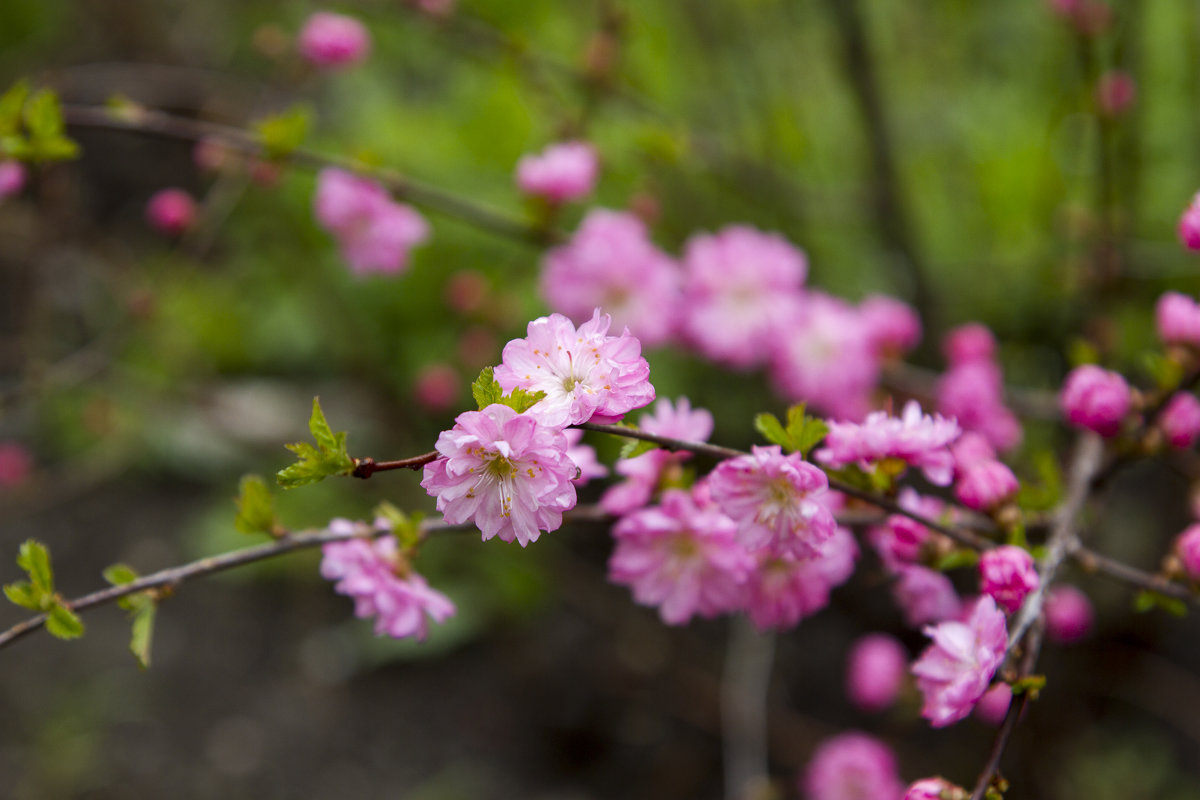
point(333, 40)
point(1116, 91)
point(994, 704)
point(924, 595)
point(784, 589)
point(852, 766)
point(893, 326)
point(1068, 614)
point(16, 464)
point(12, 178)
point(1187, 547)
point(934, 789)
point(875, 671)
point(1180, 420)
point(171, 211)
point(986, 485)
point(1007, 575)
point(436, 386)
point(561, 172)
point(1189, 225)
point(1096, 399)
point(899, 539)
point(969, 343)
point(375, 233)
point(1177, 317)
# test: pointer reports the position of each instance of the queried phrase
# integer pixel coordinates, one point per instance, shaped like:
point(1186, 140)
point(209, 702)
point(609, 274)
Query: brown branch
point(366, 467)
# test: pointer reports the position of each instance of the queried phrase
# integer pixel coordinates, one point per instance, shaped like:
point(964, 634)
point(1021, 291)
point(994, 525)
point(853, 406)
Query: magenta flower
point(1187, 547)
point(1095, 399)
point(1068, 614)
point(559, 173)
point(899, 540)
point(12, 178)
point(503, 471)
point(1177, 318)
point(825, 357)
point(972, 393)
point(436, 387)
point(994, 704)
point(681, 556)
point(1180, 420)
point(610, 262)
point(969, 343)
point(371, 572)
point(741, 287)
point(785, 589)
point(970, 449)
point(1189, 225)
point(875, 671)
point(333, 40)
point(644, 473)
point(171, 211)
point(775, 500)
point(583, 372)
point(893, 327)
point(1116, 91)
point(852, 766)
point(16, 464)
point(924, 595)
point(915, 438)
point(986, 485)
point(934, 789)
point(1007, 575)
point(583, 456)
point(956, 669)
point(375, 233)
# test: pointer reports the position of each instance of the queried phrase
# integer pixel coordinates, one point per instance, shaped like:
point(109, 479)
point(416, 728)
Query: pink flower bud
point(968, 343)
point(1177, 318)
point(970, 449)
point(992, 707)
point(560, 173)
point(1189, 226)
point(1115, 93)
point(1068, 614)
point(892, 326)
point(1187, 547)
point(932, 789)
point(333, 40)
point(1180, 420)
point(436, 387)
point(15, 464)
point(1007, 574)
point(1096, 399)
point(852, 765)
point(12, 178)
point(875, 671)
point(986, 485)
point(171, 211)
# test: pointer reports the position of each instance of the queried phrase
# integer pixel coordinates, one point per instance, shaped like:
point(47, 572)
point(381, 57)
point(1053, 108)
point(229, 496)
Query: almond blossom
point(375, 233)
point(853, 766)
point(957, 668)
point(506, 472)
point(561, 172)
point(915, 438)
point(785, 589)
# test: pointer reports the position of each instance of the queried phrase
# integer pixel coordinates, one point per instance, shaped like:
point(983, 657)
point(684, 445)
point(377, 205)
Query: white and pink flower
point(957, 668)
point(914, 438)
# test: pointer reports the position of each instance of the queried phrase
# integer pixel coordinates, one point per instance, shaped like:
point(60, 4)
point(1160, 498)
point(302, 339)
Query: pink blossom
point(12, 178)
point(644, 473)
point(333, 40)
point(583, 372)
point(1096, 399)
point(171, 211)
point(681, 556)
point(853, 766)
point(825, 357)
point(969, 343)
point(16, 464)
point(1187, 547)
point(741, 287)
point(785, 589)
point(915, 438)
point(934, 789)
point(1007, 574)
point(970, 449)
point(924, 595)
point(986, 485)
point(211, 154)
point(371, 572)
point(1177, 316)
point(375, 233)
point(505, 472)
point(900, 539)
point(1068, 614)
point(775, 500)
point(560, 173)
point(610, 262)
point(875, 671)
point(955, 670)
point(1180, 420)
point(436, 387)
point(893, 326)
point(583, 456)
point(1116, 91)
point(972, 393)
point(994, 704)
point(1189, 225)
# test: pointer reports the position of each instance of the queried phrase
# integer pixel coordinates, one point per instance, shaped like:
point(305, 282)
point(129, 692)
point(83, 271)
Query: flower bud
point(875, 671)
point(1096, 399)
point(171, 211)
point(333, 40)
point(1068, 614)
point(1007, 575)
point(986, 485)
point(12, 178)
point(1187, 548)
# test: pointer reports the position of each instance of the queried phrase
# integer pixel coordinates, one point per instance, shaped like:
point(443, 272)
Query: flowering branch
point(366, 467)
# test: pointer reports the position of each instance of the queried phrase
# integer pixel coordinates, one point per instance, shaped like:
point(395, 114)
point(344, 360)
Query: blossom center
point(500, 468)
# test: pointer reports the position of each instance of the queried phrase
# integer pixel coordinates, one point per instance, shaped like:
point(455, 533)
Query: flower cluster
point(971, 390)
point(374, 232)
point(913, 438)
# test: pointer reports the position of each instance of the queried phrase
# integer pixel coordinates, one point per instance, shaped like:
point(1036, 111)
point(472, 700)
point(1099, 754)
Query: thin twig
point(366, 467)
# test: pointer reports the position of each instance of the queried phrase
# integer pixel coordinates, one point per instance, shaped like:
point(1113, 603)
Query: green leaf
point(406, 528)
point(486, 389)
point(801, 435)
point(63, 623)
point(43, 116)
point(956, 559)
point(120, 574)
point(282, 133)
point(329, 457)
point(1045, 491)
point(54, 148)
point(143, 632)
point(772, 430)
point(521, 400)
point(1030, 683)
point(1149, 599)
point(35, 559)
point(11, 103)
point(632, 448)
point(23, 594)
point(1166, 371)
point(256, 507)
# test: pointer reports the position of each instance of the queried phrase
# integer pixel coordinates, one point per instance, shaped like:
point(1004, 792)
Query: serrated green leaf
point(143, 632)
point(810, 435)
point(256, 507)
point(35, 559)
point(486, 389)
point(632, 448)
point(23, 594)
point(281, 134)
point(329, 457)
point(11, 103)
point(63, 623)
point(772, 430)
point(521, 400)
